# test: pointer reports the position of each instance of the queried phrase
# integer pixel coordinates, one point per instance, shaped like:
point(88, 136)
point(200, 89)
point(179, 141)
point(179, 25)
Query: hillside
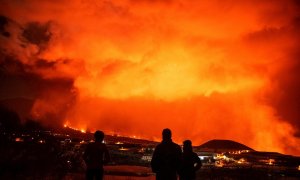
point(216, 145)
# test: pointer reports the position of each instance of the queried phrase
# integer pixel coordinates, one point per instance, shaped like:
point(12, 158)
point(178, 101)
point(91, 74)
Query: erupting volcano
point(205, 69)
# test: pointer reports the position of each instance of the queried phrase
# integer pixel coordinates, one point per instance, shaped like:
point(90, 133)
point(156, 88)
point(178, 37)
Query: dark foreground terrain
point(44, 154)
point(144, 173)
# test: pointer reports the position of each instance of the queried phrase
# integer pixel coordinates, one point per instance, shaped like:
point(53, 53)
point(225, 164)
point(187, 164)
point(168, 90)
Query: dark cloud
point(55, 96)
point(284, 94)
point(3, 23)
point(22, 79)
point(286, 100)
point(37, 33)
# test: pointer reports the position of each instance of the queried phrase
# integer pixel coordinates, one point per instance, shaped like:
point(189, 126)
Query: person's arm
point(154, 161)
point(86, 154)
point(179, 159)
point(106, 155)
point(198, 163)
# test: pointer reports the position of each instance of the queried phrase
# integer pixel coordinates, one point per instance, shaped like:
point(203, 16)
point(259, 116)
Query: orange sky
point(206, 69)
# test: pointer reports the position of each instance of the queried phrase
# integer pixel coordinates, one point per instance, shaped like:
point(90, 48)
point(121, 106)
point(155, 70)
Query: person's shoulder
point(176, 145)
point(159, 145)
point(91, 144)
point(195, 154)
point(98, 143)
point(101, 145)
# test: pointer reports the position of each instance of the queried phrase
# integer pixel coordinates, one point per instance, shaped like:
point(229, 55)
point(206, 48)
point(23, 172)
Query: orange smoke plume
point(206, 69)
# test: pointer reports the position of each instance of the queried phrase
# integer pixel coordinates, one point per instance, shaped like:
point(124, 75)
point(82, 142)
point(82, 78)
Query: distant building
point(206, 157)
point(147, 158)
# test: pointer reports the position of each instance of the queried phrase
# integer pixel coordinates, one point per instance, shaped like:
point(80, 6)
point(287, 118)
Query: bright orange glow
point(82, 130)
point(241, 161)
point(206, 69)
point(19, 139)
point(123, 149)
point(271, 161)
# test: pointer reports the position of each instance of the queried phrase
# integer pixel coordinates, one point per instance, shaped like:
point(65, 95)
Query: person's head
point(166, 134)
point(99, 136)
point(187, 146)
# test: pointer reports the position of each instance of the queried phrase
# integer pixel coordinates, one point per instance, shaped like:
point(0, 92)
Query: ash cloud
point(38, 34)
point(125, 66)
point(21, 74)
point(288, 103)
point(283, 95)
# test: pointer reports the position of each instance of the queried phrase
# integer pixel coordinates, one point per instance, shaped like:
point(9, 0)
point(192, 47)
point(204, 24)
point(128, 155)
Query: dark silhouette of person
point(190, 162)
point(166, 158)
point(95, 156)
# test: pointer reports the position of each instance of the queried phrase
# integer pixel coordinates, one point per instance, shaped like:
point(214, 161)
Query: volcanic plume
point(206, 69)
